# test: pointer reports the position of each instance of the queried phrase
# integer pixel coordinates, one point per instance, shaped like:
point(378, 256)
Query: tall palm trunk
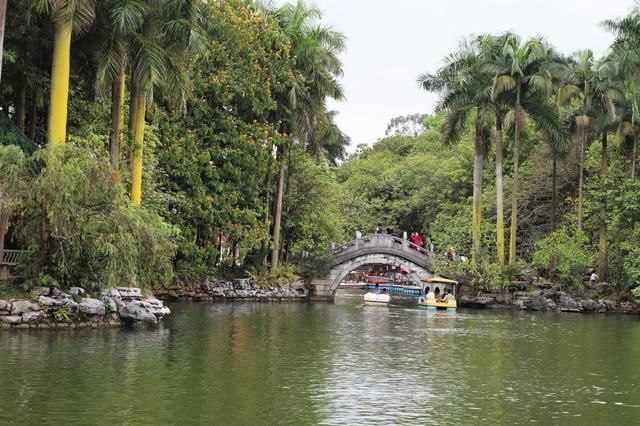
point(33, 116)
point(633, 156)
point(117, 90)
point(4, 228)
point(478, 157)
point(21, 112)
point(583, 142)
point(602, 245)
point(499, 193)
point(514, 188)
point(59, 85)
point(3, 16)
point(133, 101)
point(136, 152)
point(277, 215)
point(554, 189)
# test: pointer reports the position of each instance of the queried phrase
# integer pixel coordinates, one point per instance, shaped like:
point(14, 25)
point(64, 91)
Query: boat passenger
point(436, 295)
point(447, 296)
point(376, 290)
point(429, 295)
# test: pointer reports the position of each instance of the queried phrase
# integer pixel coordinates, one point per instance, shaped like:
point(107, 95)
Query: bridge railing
point(8, 260)
point(376, 239)
point(11, 257)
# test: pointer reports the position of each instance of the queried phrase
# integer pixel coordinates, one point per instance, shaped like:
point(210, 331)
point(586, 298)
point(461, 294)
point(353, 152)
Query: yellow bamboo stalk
point(57, 132)
point(136, 157)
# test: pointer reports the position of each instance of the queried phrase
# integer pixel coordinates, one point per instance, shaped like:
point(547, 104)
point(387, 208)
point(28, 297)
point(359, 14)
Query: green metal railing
point(10, 134)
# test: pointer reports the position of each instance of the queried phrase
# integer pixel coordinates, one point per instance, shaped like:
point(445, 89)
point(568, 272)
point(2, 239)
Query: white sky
point(391, 42)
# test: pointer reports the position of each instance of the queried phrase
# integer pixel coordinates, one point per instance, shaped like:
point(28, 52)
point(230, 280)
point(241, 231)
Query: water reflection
point(341, 363)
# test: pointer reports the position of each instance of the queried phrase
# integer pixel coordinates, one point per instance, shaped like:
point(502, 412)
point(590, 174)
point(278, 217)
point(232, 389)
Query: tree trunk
point(499, 193)
point(3, 16)
point(133, 101)
point(33, 116)
point(554, 189)
point(116, 121)
point(633, 157)
point(514, 188)
point(136, 157)
point(21, 112)
point(4, 228)
point(602, 245)
point(277, 216)
point(583, 138)
point(478, 157)
point(57, 132)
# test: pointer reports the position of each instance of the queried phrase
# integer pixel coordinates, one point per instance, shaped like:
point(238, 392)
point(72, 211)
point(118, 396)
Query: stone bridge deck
point(368, 250)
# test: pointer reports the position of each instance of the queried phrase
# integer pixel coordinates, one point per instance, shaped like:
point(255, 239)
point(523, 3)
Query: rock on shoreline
point(240, 289)
point(549, 299)
point(54, 308)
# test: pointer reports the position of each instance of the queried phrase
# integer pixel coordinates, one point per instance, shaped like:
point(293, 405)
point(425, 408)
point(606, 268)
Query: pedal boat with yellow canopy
point(442, 284)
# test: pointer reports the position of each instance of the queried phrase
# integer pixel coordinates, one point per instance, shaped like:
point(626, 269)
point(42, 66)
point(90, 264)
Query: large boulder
point(157, 307)
point(568, 304)
point(72, 306)
point(536, 303)
point(589, 305)
point(114, 295)
point(22, 306)
point(11, 319)
point(129, 293)
point(109, 304)
point(241, 284)
point(90, 306)
point(33, 317)
point(5, 307)
point(50, 302)
point(76, 291)
point(137, 310)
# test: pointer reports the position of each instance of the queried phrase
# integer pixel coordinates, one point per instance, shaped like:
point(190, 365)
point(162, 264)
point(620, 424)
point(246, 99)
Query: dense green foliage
point(242, 156)
point(79, 229)
point(563, 256)
point(221, 76)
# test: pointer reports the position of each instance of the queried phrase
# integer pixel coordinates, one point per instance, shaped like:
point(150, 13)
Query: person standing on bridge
point(379, 229)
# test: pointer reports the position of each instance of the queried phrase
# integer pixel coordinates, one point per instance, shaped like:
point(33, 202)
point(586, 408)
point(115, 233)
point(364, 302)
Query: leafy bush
point(632, 260)
point(81, 230)
point(264, 277)
point(561, 255)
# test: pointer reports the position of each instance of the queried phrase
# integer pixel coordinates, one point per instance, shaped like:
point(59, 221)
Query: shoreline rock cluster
point(54, 308)
point(240, 289)
point(551, 298)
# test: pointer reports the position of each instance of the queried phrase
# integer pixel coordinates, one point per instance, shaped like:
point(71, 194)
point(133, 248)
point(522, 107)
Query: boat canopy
point(439, 280)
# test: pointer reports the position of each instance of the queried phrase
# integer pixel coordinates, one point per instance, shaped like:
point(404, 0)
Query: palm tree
point(118, 20)
point(328, 142)
point(3, 16)
point(522, 75)
point(157, 56)
point(68, 16)
point(626, 49)
point(464, 92)
point(315, 50)
point(597, 87)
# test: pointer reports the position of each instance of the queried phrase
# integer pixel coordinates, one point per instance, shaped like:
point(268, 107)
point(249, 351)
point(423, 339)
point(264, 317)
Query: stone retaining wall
point(239, 289)
point(53, 308)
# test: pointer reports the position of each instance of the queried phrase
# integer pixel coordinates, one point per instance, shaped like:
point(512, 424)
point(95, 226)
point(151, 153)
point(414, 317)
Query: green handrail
point(10, 134)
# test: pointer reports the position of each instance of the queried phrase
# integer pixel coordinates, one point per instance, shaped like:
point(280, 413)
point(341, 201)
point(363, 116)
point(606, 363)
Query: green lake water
point(317, 363)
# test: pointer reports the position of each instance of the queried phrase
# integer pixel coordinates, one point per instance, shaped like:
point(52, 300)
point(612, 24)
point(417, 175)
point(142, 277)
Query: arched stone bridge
point(369, 250)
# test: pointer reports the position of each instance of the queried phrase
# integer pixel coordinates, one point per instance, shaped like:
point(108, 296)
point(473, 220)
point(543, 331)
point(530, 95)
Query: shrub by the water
point(561, 254)
point(80, 229)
